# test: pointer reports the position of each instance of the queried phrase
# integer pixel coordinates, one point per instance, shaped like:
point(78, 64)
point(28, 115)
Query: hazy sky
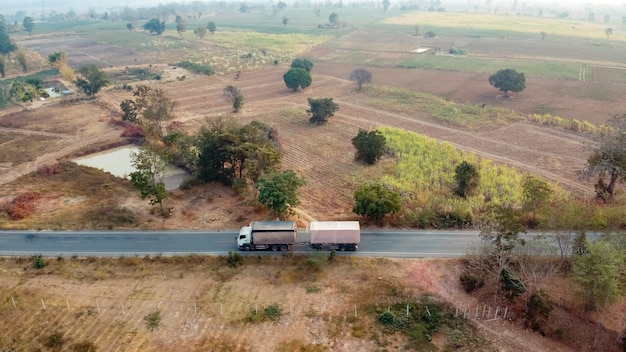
point(34, 7)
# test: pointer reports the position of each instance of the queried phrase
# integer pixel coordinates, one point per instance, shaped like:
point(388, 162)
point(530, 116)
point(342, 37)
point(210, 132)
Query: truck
point(267, 235)
point(337, 235)
point(282, 235)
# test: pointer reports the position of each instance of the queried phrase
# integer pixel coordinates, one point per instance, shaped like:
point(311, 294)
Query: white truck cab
point(244, 239)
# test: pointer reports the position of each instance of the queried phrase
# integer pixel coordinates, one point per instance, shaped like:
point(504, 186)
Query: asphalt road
point(399, 244)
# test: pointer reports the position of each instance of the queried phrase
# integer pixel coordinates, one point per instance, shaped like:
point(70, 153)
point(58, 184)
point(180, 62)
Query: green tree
point(28, 24)
point(211, 27)
point(285, 21)
point(6, 45)
point(467, 178)
point(2, 66)
point(147, 178)
point(57, 58)
point(91, 79)
point(333, 18)
point(281, 5)
point(608, 156)
point(150, 108)
point(321, 109)
point(386, 5)
point(302, 63)
point(181, 26)
point(599, 274)
point(297, 78)
point(360, 76)
point(536, 193)
point(229, 151)
point(608, 32)
point(130, 26)
point(234, 96)
point(508, 80)
point(370, 146)
point(278, 191)
point(155, 26)
point(375, 201)
point(499, 227)
point(200, 32)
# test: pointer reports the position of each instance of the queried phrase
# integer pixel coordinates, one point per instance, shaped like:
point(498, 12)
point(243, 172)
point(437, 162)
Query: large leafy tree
point(297, 78)
point(229, 151)
point(147, 178)
point(200, 32)
point(302, 63)
point(150, 108)
point(536, 193)
point(321, 109)
point(508, 80)
point(370, 146)
point(608, 157)
point(211, 27)
point(6, 45)
point(360, 76)
point(467, 178)
point(28, 24)
point(155, 26)
point(375, 201)
point(91, 79)
point(181, 25)
point(279, 191)
point(600, 274)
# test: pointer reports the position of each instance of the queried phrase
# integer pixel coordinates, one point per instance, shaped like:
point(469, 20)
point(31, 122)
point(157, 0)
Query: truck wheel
point(342, 248)
point(284, 248)
point(275, 247)
point(246, 247)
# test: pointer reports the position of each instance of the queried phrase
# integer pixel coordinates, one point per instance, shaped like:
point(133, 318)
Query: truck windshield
point(241, 237)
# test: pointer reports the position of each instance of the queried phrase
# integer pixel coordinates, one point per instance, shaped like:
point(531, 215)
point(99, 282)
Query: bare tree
point(361, 76)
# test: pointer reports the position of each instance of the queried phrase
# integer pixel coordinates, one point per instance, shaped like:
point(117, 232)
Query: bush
point(84, 347)
point(153, 320)
point(539, 308)
point(470, 282)
point(38, 262)
point(54, 341)
point(511, 284)
point(196, 68)
point(430, 34)
point(23, 206)
point(389, 319)
point(234, 259)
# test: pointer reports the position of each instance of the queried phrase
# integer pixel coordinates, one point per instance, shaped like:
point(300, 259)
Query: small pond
point(118, 162)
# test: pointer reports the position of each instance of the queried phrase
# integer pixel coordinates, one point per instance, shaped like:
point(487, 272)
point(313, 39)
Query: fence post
point(195, 309)
point(68, 304)
point(43, 304)
point(506, 309)
point(407, 310)
point(456, 314)
point(122, 305)
point(98, 305)
point(476, 315)
point(495, 316)
point(355, 311)
point(484, 308)
point(222, 310)
point(12, 300)
point(464, 313)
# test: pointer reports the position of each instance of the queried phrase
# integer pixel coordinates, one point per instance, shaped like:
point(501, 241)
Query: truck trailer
point(337, 235)
point(267, 235)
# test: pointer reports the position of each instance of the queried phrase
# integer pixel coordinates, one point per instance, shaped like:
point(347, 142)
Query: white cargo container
point(338, 235)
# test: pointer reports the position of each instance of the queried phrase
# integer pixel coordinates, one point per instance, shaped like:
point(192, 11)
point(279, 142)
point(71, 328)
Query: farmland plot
point(609, 75)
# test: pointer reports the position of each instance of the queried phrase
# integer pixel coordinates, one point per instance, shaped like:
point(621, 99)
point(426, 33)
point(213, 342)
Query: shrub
point(430, 34)
point(38, 262)
point(538, 310)
point(469, 282)
point(50, 169)
point(196, 68)
point(54, 341)
point(389, 319)
point(84, 347)
point(234, 259)
point(153, 320)
point(23, 206)
point(511, 284)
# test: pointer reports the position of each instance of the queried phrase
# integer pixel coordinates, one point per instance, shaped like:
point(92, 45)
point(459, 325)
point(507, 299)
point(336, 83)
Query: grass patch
point(531, 68)
point(466, 115)
point(196, 68)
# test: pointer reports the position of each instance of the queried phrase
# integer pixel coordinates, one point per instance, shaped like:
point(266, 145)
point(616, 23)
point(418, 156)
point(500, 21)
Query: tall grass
point(424, 176)
point(466, 115)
